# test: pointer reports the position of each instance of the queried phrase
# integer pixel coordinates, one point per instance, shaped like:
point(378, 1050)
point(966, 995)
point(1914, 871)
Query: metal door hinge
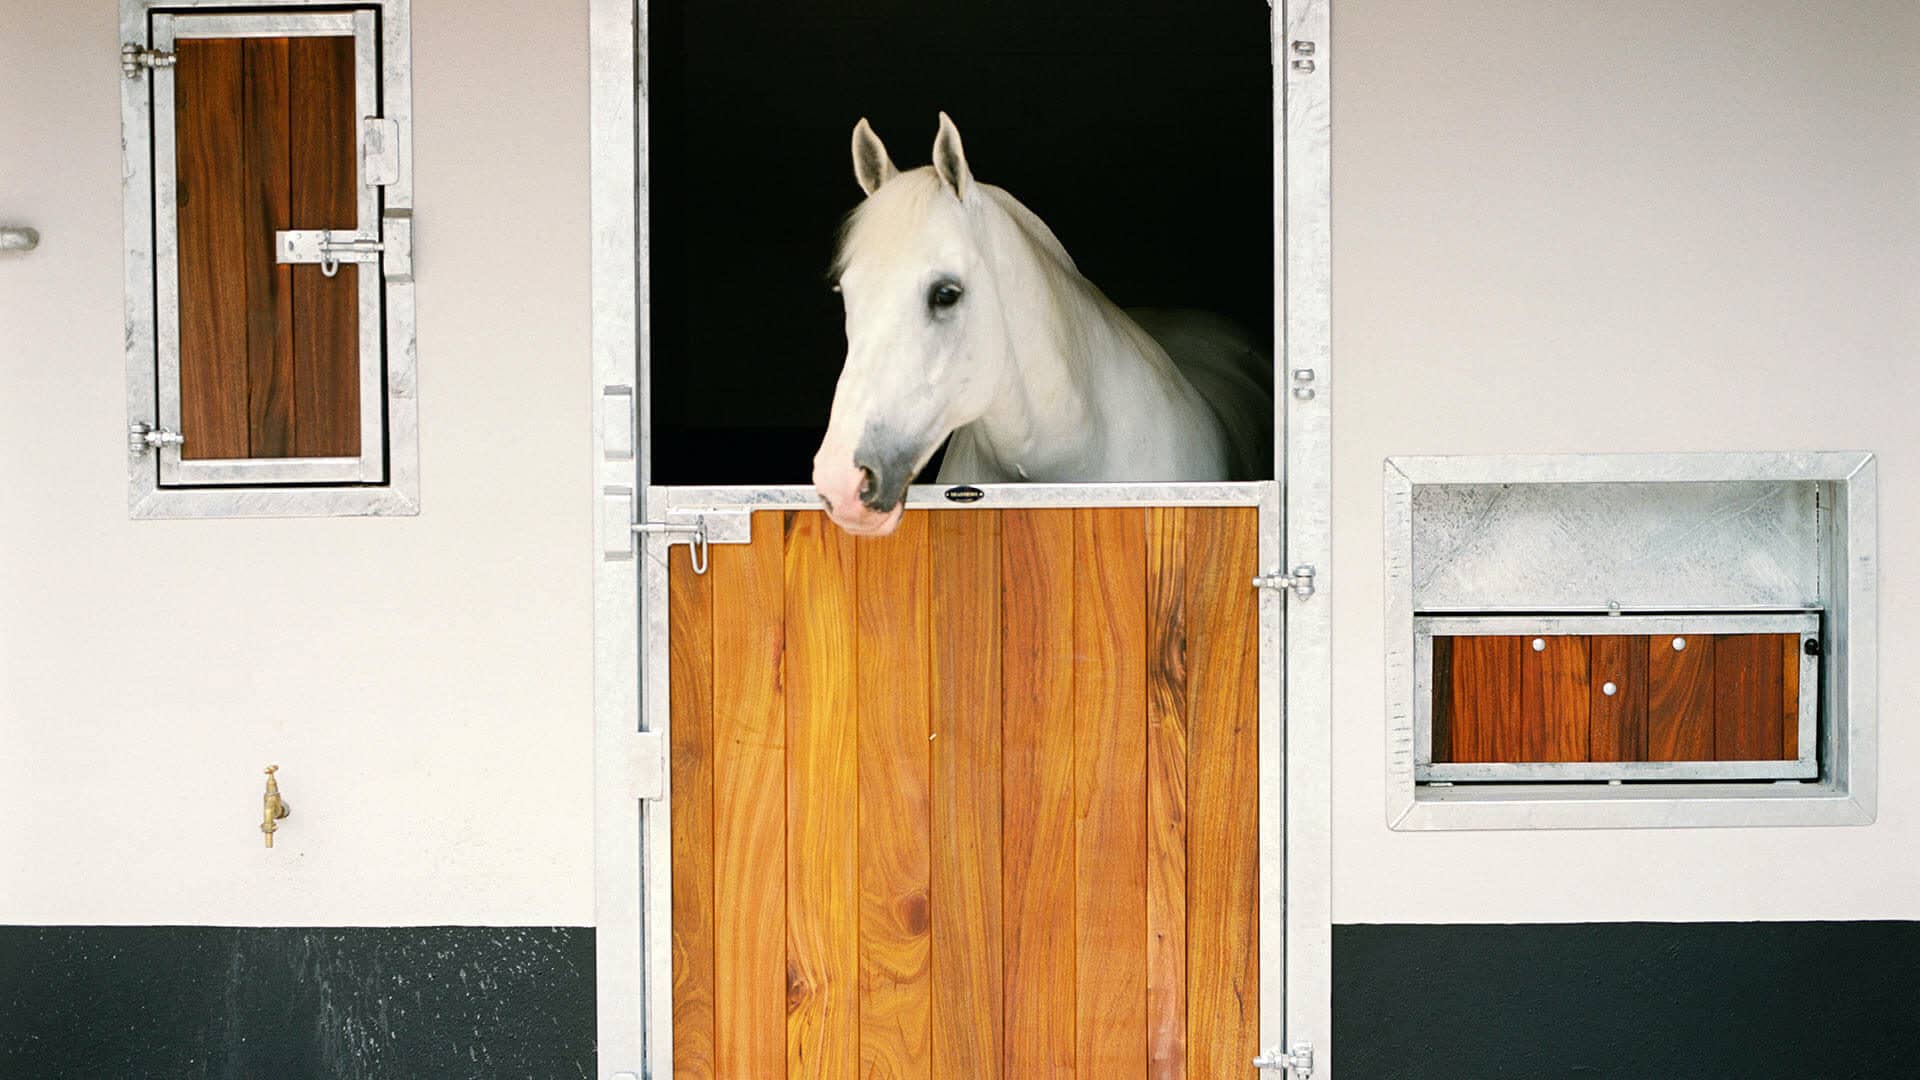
point(1296, 1063)
point(647, 765)
point(142, 437)
point(1300, 581)
point(135, 58)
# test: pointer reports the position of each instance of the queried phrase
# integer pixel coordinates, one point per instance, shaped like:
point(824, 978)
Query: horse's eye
point(944, 295)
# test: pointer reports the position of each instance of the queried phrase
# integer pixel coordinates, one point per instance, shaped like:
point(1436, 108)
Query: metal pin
point(1679, 643)
point(1539, 644)
point(1609, 689)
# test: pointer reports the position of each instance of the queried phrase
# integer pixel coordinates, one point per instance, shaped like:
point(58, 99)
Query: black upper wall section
point(1140, 131)
point(1633, 1001)
point(218, 1003)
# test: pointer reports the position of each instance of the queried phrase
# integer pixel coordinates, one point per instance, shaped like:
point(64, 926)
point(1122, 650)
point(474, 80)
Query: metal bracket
point(1297, 1062)
point(1301, 581)
point(136, 58)
point(647, 765)
point(142, 437)
point(380, 151)
point(328, 247)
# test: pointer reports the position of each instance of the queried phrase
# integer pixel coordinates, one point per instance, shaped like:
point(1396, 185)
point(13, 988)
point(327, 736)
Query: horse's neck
point(1073, 356)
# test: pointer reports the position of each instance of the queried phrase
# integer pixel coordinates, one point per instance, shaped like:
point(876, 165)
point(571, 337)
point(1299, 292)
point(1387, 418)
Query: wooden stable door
point(975, 800)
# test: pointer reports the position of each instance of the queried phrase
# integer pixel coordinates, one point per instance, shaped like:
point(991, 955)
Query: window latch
point(142, 437)
point(1296, 1063)
point(328, 247)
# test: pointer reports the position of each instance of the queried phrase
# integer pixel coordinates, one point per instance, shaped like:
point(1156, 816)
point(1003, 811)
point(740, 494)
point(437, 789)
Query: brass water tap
point(275, 807)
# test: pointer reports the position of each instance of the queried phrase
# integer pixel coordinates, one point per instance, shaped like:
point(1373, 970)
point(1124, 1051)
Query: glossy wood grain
point(326, 312)
point(1680, 699)
point(1555, 700)
point(1619, 719)
point(1166, 965)
point(209, 140)
point(690, 679)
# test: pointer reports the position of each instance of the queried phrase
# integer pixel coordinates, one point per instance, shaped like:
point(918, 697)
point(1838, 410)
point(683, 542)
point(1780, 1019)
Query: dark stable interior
point(1139, 131)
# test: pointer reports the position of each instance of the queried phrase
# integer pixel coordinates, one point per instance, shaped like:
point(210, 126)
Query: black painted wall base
point(1634, 1001)
point(362, 1003)
point(1637, 1001)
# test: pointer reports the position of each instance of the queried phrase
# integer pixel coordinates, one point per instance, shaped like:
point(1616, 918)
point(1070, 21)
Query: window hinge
point(136, 58)
point(1300, 581)
point(142, 437)
point(1296, 1063)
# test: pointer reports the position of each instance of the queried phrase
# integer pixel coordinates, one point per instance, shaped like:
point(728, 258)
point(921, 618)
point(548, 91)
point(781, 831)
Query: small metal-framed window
point(356, 448)
point(1686, 554)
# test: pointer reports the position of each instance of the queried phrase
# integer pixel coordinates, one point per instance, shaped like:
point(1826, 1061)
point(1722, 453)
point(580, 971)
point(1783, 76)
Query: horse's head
point(923, 357)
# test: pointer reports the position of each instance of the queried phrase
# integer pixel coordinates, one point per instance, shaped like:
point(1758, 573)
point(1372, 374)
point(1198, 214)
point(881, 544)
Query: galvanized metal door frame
point(384, 480)
point(633, 836)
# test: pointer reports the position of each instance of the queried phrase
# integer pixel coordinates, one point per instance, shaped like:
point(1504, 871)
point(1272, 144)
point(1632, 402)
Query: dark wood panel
point(1619, 719)
point(750, 732)
point(1555, 702)
point(325, 182)
point(1746, 697)
point(965, 692)
point(1441, 701)
point(1036, 603)
point(1680, 699)
point(1167, 793)
point(1223, 900)
point(1485, 711)
point(896, 816)
point(1789, 696)
point(822, 797)
point(266, 118)
point(1110, 765)
point(690, 600)
point(213, 225)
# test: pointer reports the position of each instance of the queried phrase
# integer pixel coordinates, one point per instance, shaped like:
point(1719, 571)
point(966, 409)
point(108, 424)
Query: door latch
point(142, 437)
point(1300, 581)
point(1296, 1063)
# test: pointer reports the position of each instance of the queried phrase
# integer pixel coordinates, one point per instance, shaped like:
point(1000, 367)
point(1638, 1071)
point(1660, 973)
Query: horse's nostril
point(868, 482)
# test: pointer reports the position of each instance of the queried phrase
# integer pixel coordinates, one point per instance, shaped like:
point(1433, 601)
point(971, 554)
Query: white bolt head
point(1609, 689)
point(1539, 644)
point(1679, 643)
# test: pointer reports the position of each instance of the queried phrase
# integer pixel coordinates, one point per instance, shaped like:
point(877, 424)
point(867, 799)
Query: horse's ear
point(871, 166)
point(950, 159)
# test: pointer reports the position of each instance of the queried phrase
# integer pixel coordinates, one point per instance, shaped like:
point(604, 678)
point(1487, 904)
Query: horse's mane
point(892, 214)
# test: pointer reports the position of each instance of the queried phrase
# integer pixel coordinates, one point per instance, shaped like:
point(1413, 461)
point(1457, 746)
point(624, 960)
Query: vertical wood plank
point(1223, 903)
point(1789, 697)
point(1441, 702)
point(212, 224)
point(690, 633)
point(1036, 602)
point(823, 903)
point(1680, 694)
point(266, 129)
point(1487, 695)
point(965, 694)
point(1619, 719)
point(750, 775)
point(895, 818)
point(1167, 793)
point(1110, 758)
point(1555, 699)
point(1746, 697)
point(326, 318)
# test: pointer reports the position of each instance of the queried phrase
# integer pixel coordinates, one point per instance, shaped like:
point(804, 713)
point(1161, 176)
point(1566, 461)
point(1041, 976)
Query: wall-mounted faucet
point(274, 807)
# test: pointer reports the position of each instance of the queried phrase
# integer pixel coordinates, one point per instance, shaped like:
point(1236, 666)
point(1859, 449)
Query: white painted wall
point(1558, 227)
point(424, 682)
point(1649, 225)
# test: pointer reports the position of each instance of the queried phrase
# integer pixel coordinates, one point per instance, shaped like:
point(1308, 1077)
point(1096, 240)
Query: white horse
point(966, 317)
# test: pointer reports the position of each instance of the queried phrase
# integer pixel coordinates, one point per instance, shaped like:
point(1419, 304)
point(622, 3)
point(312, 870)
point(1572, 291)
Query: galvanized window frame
point(1842, 786)
point(633, 836)
point(384, 478)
